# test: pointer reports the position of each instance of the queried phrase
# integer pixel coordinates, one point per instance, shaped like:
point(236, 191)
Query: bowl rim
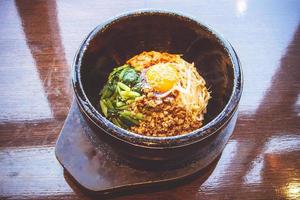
point(135, 139)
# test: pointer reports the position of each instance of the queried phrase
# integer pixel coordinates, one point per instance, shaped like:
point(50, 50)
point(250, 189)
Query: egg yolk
point(162, 77)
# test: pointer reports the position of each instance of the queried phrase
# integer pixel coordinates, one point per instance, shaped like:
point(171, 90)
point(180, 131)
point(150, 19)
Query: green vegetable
point(130, 101)
point(116, 71)
point(109, 104)
point(123, 86)
point(115, 121)
point(120, 103)
point(139, 116)
point(107, 91)
point(125, 113)
point(129, 94)
point(130, 77)
point(122, 107)
point(103, 107)
point(121, 123)
point(129, 121)
point(137, 87)
point(121, 90)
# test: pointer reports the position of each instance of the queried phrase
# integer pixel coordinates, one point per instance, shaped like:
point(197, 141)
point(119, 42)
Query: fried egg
point(161, 77)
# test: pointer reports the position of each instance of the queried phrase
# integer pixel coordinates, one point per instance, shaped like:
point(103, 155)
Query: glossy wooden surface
point(38, 40)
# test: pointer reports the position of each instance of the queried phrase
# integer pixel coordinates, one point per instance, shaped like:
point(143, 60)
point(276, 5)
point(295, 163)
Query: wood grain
point(38, 41)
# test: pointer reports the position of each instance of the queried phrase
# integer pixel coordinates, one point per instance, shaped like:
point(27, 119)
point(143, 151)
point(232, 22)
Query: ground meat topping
point(163, 117)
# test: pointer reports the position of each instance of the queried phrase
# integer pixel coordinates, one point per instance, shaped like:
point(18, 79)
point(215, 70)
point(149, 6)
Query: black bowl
point(112, 43)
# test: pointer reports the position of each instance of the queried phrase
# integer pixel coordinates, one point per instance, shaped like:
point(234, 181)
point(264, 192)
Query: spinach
point(137, 87)
point(123, 87)
point(129, 77)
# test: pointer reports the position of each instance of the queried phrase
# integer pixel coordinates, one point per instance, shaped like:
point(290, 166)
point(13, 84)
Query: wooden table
point(38, 41)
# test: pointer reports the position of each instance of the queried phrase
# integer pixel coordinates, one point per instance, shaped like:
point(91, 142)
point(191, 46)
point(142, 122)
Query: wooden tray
point(98, 168)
